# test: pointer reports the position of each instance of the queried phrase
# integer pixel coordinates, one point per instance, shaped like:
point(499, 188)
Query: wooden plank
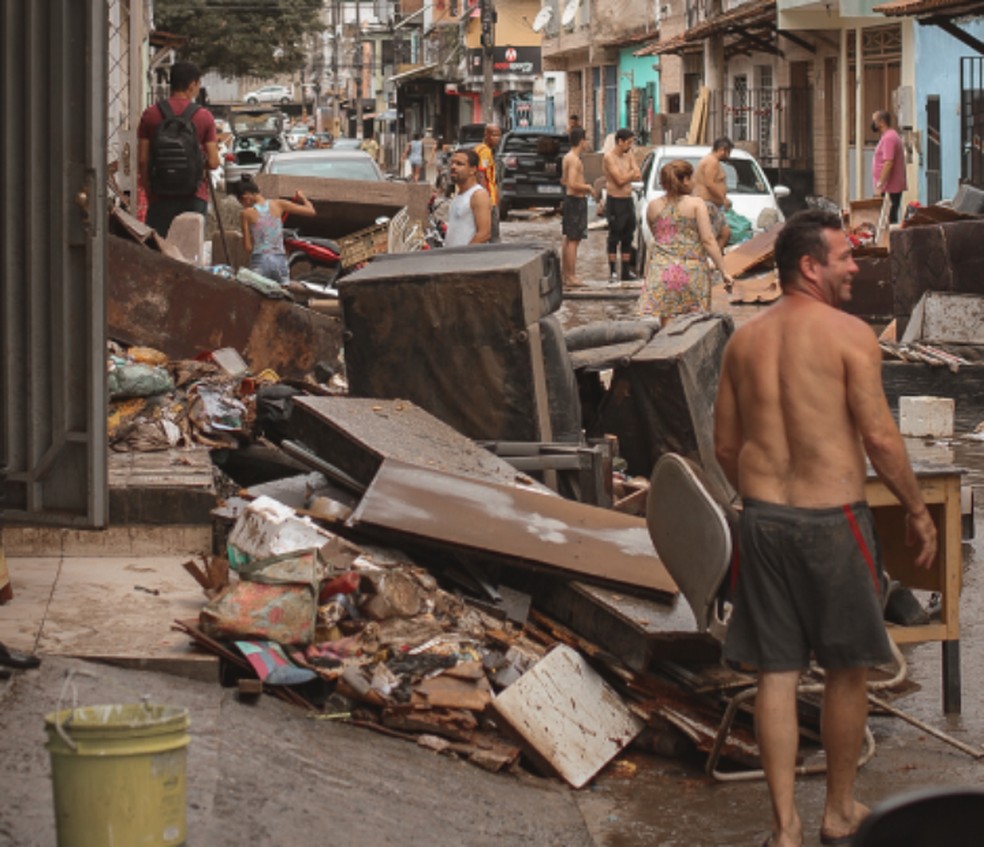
point(448, 692)
point(567, 716)
point(749, 254)
point(763, 288)
point(514, 524)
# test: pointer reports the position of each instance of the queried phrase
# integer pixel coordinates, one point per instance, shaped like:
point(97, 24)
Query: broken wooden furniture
point(935, 257)
point(492, 522)
point(573, 736)
point(940, 487)
point(467, 334)
point(662, 399)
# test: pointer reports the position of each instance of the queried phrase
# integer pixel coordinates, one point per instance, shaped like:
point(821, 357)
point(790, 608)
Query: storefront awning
point(757, 14)
point(941, 13)
point(950, 8)
point(422, 70)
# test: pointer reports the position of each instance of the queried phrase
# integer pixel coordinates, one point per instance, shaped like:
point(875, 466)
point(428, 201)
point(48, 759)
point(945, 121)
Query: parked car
point(270, 94)
point(470, 135)
point(748, 189)
point(347, 144)
point(528, 168)
point(330, 164)
point(256, 133)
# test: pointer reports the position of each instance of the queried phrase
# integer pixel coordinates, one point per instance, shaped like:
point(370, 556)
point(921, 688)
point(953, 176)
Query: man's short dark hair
point(803, 235)
point(470, 154)
point(577, 136)
point(723, 143)
point(183, 74)
point(884, 117)
point(624, 134)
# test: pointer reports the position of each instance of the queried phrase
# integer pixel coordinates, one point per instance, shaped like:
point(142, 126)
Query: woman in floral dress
point(678, 276)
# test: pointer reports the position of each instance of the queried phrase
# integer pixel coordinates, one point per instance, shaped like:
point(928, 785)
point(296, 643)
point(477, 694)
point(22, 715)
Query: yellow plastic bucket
point(118, 774)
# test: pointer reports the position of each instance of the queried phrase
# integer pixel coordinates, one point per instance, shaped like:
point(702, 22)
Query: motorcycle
point(316, 263)
point(437, 225)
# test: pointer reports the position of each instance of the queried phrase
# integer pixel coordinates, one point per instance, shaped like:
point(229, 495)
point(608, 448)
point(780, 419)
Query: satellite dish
point(570, 12)
point(542, 19)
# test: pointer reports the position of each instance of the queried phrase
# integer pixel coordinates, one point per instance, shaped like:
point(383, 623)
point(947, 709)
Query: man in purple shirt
point(185, 85)
point(888, 168)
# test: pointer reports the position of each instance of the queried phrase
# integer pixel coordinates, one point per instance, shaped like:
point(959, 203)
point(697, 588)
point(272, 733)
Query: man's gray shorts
point(807, 580)
point(574, 223)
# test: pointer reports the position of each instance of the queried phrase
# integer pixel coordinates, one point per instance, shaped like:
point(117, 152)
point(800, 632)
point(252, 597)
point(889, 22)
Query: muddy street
point(266, 773)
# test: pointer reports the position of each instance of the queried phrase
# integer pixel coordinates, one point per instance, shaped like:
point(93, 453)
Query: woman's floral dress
point(678, 277)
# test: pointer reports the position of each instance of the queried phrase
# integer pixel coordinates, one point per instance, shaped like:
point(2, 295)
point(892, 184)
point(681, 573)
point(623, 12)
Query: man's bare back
point(572, 176)
point(709, 180)
point(801, 402)
point(801, 446)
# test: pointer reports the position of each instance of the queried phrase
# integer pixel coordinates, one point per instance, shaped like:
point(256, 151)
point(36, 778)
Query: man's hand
point(921, 531)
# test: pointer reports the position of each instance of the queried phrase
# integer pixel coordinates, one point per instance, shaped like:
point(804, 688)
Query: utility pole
point(488, 17)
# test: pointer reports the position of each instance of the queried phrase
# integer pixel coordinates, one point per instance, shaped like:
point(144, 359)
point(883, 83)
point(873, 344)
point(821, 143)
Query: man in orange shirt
point(486, 171)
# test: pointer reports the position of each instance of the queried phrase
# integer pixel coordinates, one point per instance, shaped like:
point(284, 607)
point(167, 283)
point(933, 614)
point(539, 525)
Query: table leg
point(951, 677)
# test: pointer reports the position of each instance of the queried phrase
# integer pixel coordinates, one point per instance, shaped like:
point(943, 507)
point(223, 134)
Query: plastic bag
point(741, 227)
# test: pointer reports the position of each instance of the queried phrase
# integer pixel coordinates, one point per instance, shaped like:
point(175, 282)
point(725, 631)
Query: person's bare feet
point(572, 282)
point(837, 828)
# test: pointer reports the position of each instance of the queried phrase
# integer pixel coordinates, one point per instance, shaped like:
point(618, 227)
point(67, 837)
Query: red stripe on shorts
point(849, 514)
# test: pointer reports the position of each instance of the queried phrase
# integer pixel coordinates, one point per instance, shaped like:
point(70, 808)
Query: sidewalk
point(106, 596)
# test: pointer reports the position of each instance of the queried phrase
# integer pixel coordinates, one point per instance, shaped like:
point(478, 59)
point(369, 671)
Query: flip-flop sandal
point(836, 839)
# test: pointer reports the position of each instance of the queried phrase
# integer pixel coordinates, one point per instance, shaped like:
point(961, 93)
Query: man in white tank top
point(470, 217)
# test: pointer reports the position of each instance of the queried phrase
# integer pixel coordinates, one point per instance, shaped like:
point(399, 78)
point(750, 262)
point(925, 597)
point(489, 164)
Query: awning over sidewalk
point(941, 13)
point(739, 22)
point(951, 8)
point(423, 70)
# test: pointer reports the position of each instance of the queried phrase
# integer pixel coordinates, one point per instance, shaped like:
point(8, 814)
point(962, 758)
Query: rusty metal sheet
point(357, 434)
point(181, 310)
point(590, 543)
point(568, 716)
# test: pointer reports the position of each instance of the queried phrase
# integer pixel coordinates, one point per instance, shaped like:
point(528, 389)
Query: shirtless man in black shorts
point(620, 169)
point(575, 216)
point(799, 404)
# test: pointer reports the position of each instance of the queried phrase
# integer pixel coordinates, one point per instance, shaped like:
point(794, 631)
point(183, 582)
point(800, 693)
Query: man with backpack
point(177, 148)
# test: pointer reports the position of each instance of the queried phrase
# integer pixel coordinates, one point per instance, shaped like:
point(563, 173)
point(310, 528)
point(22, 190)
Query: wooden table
point(940, 488)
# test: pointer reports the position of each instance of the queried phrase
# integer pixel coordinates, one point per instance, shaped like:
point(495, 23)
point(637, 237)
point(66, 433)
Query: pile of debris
point(364, 634)
point(157, 403)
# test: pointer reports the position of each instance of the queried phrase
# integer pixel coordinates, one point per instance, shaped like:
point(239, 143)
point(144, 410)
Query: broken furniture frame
point(592, 464)
point(940, 488)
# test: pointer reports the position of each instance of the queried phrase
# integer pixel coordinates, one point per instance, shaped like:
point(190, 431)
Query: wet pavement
point(655, 801)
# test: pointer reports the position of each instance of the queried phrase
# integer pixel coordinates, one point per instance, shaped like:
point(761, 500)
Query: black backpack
point(176, 160)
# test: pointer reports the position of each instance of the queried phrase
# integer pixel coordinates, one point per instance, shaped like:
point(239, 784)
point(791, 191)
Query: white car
point(748, 189)
point(270, 94)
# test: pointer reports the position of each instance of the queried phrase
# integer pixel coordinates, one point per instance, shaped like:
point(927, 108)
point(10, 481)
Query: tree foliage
point(261, 38)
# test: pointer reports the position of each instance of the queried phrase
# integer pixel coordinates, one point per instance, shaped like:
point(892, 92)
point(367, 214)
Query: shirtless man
point(799, 404)
point(575, 216)
point(711, 186)
point(620, 169)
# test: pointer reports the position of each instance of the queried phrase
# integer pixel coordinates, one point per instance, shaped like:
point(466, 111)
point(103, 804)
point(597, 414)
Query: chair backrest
point(691, 533)
point(933, 817)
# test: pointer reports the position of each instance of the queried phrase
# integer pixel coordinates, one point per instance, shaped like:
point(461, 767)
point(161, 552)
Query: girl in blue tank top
point(263, 231)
